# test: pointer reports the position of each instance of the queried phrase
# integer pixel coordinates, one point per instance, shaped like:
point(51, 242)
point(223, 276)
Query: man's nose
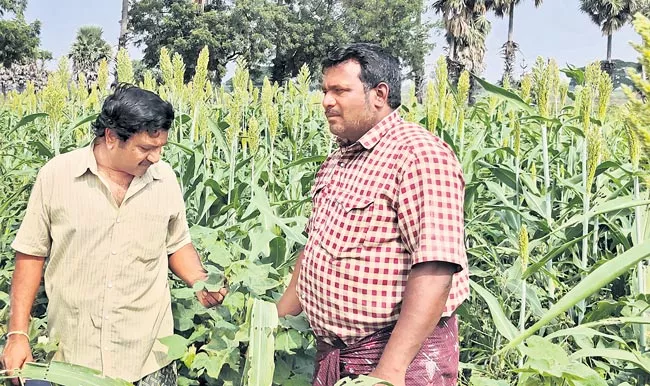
point(154, 156)
point(328, 100)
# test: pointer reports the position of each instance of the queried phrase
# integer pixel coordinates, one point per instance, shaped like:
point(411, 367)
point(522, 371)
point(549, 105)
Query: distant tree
point(124, 22)
point(395, 25)
point(305, 31)
point(19, 40)
point(88, 49)
point(13, 6)
point(229, 29)
point(610, 16)
point(509, 49)
point(467, 27)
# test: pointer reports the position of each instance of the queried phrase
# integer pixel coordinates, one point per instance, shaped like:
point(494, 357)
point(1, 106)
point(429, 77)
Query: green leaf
point(481, 381)
point(260, 242)
point(597, 279)
point(64, 374)
point(612, 353)
point(501, 321)
point(176, 346)
point(288, 341)
point(315, 159)
point(533, 268)
point(260, 363)
point(27, 119)
point(504, 94)
point(213, 283)
point(539, 348)
point(581, 330)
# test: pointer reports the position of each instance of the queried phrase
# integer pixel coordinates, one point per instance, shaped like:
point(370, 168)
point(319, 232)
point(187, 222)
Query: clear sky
point(556, 29)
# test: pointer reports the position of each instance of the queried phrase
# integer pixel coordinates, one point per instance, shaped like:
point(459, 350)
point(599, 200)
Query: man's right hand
point(16, 353)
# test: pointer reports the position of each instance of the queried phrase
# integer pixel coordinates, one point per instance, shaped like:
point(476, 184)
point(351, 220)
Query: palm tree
point(610, 16)
point(509, 49)
point(124, 21)
point(467, 27)
point(88, 50)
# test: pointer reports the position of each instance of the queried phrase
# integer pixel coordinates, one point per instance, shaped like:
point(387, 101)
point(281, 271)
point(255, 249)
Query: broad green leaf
point(260, 242)
point(581, 375)
point(581, 330)
point(504, 94)
point(27, 119)
point(288, 341)
point(260, 355)
point(616, 354)
point(501, 321)
point(597, 279)
point(315, 159)
point(64, 374)
point(481, 381)
point(176, 346)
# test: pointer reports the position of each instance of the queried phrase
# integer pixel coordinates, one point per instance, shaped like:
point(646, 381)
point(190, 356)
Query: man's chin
point(337, 130)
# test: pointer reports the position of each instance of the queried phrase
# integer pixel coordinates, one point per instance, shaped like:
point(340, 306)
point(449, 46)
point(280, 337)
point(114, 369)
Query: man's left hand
point(394, 379)
point(211, 299)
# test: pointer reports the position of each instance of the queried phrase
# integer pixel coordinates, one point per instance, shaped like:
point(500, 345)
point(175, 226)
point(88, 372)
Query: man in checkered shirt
point(384, 267)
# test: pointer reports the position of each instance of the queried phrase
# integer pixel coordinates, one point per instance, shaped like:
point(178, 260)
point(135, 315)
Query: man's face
point(139, 152)
point(347, 103)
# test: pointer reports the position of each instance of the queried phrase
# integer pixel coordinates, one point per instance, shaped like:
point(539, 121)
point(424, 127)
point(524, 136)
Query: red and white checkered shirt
point(389, 201)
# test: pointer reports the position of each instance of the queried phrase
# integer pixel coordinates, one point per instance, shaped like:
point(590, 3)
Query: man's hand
point(16, 353)
point(211, 299)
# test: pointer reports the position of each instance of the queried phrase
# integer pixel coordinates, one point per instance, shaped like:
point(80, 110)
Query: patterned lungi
point(436, 364)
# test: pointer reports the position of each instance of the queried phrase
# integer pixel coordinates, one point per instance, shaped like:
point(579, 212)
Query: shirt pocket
point(149, 236)
point(347, 225)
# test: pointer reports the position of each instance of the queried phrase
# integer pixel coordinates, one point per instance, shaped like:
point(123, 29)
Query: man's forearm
point(186, 264)
point(24, 286)
point(425, 296)
point(289, 304)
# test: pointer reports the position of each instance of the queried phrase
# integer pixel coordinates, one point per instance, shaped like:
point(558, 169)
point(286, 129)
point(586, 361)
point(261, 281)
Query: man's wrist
point(200, 276)
point(17, 334)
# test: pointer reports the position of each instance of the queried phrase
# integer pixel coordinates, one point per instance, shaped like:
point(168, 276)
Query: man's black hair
point(130, 110)
point(377, 66)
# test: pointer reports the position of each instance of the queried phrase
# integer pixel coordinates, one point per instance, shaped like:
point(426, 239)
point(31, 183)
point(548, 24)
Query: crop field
point(556, 214)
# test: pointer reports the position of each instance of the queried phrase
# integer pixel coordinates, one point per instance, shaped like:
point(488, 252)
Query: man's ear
point(381, 91)
point(111, 138)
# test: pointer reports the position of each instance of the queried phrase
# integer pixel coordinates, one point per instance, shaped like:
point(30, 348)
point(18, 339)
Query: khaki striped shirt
point(106, 274)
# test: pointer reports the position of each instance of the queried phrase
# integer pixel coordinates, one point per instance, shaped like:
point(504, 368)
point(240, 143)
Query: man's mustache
point(332, 113)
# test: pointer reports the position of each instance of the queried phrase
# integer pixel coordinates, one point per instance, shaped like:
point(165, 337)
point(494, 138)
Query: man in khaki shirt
point(109, 220)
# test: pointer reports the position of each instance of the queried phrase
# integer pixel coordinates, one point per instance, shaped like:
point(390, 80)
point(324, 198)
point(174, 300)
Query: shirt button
point(342, 164)
point(105, 317)
point(316, 242)
point(110, 285)
point(114, 253)
point(117, 221)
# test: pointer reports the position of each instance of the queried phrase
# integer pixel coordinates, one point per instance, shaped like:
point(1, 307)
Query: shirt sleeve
point(178, 232)
point(34, 236)
point(430, 208)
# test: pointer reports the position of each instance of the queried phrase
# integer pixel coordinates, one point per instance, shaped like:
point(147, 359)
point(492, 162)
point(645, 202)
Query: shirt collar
point(89, 162)
point(372, 137)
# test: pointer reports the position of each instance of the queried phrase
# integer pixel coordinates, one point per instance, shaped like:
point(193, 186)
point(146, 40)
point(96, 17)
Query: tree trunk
point(123, 24)
point(509, 49)
point(418, 79)
point(511, 21)
point(418, 69)
point(609, 47)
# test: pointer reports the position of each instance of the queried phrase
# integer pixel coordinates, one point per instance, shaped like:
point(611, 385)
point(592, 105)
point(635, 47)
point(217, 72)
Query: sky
point(556, 29)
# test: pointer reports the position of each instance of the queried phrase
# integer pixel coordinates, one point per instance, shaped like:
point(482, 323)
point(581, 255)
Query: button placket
point(106, 330)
